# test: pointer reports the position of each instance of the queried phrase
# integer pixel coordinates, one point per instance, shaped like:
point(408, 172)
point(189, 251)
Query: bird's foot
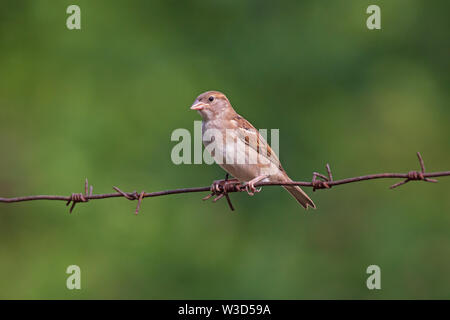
point(220, 189)
point(251, 189)
point(250, 186)
point(219, 186)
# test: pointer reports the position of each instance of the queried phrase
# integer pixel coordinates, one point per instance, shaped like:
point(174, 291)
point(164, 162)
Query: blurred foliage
point(102, 102)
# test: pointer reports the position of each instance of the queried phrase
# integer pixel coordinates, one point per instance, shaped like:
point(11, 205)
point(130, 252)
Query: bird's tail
point(300, 196)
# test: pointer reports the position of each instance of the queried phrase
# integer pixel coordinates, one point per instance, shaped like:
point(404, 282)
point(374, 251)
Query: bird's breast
point(234, 155)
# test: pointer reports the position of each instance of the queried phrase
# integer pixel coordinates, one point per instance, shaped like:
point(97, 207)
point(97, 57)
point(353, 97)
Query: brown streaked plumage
point(245, 143)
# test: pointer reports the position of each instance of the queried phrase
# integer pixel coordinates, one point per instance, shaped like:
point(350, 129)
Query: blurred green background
point(102, 102)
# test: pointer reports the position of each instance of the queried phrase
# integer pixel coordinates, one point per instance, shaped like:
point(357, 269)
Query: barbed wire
point(222, 188)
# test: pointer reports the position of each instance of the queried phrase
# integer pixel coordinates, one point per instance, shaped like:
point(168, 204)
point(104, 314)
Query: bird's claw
point(220, 189)
point(219, 186)
point(251, 189)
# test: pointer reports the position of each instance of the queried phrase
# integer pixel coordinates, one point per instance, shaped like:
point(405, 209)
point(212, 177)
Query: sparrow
point(239, 148)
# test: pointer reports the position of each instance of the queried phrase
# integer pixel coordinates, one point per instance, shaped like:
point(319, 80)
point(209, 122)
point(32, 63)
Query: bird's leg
point(250, 186)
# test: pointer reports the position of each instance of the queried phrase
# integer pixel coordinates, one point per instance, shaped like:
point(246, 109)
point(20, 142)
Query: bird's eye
point(211, 98)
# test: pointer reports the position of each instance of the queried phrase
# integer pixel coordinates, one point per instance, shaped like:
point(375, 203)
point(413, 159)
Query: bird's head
point(211, 105)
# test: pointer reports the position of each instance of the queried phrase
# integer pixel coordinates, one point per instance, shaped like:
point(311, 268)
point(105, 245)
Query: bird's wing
point(251, 137)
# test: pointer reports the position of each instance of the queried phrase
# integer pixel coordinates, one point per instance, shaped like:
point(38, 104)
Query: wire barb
point(415, 175)
point(141, 196)
point(325, 182)
point(132, 196)
point(79, 197)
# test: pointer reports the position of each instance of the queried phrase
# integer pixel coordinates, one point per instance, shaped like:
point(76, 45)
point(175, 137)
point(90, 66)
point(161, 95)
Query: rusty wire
point(222, 188)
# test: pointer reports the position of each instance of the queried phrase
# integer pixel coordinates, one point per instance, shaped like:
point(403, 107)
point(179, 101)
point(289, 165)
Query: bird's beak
point(198, 105)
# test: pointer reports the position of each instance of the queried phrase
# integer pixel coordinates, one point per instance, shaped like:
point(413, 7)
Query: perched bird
point(239, 148)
